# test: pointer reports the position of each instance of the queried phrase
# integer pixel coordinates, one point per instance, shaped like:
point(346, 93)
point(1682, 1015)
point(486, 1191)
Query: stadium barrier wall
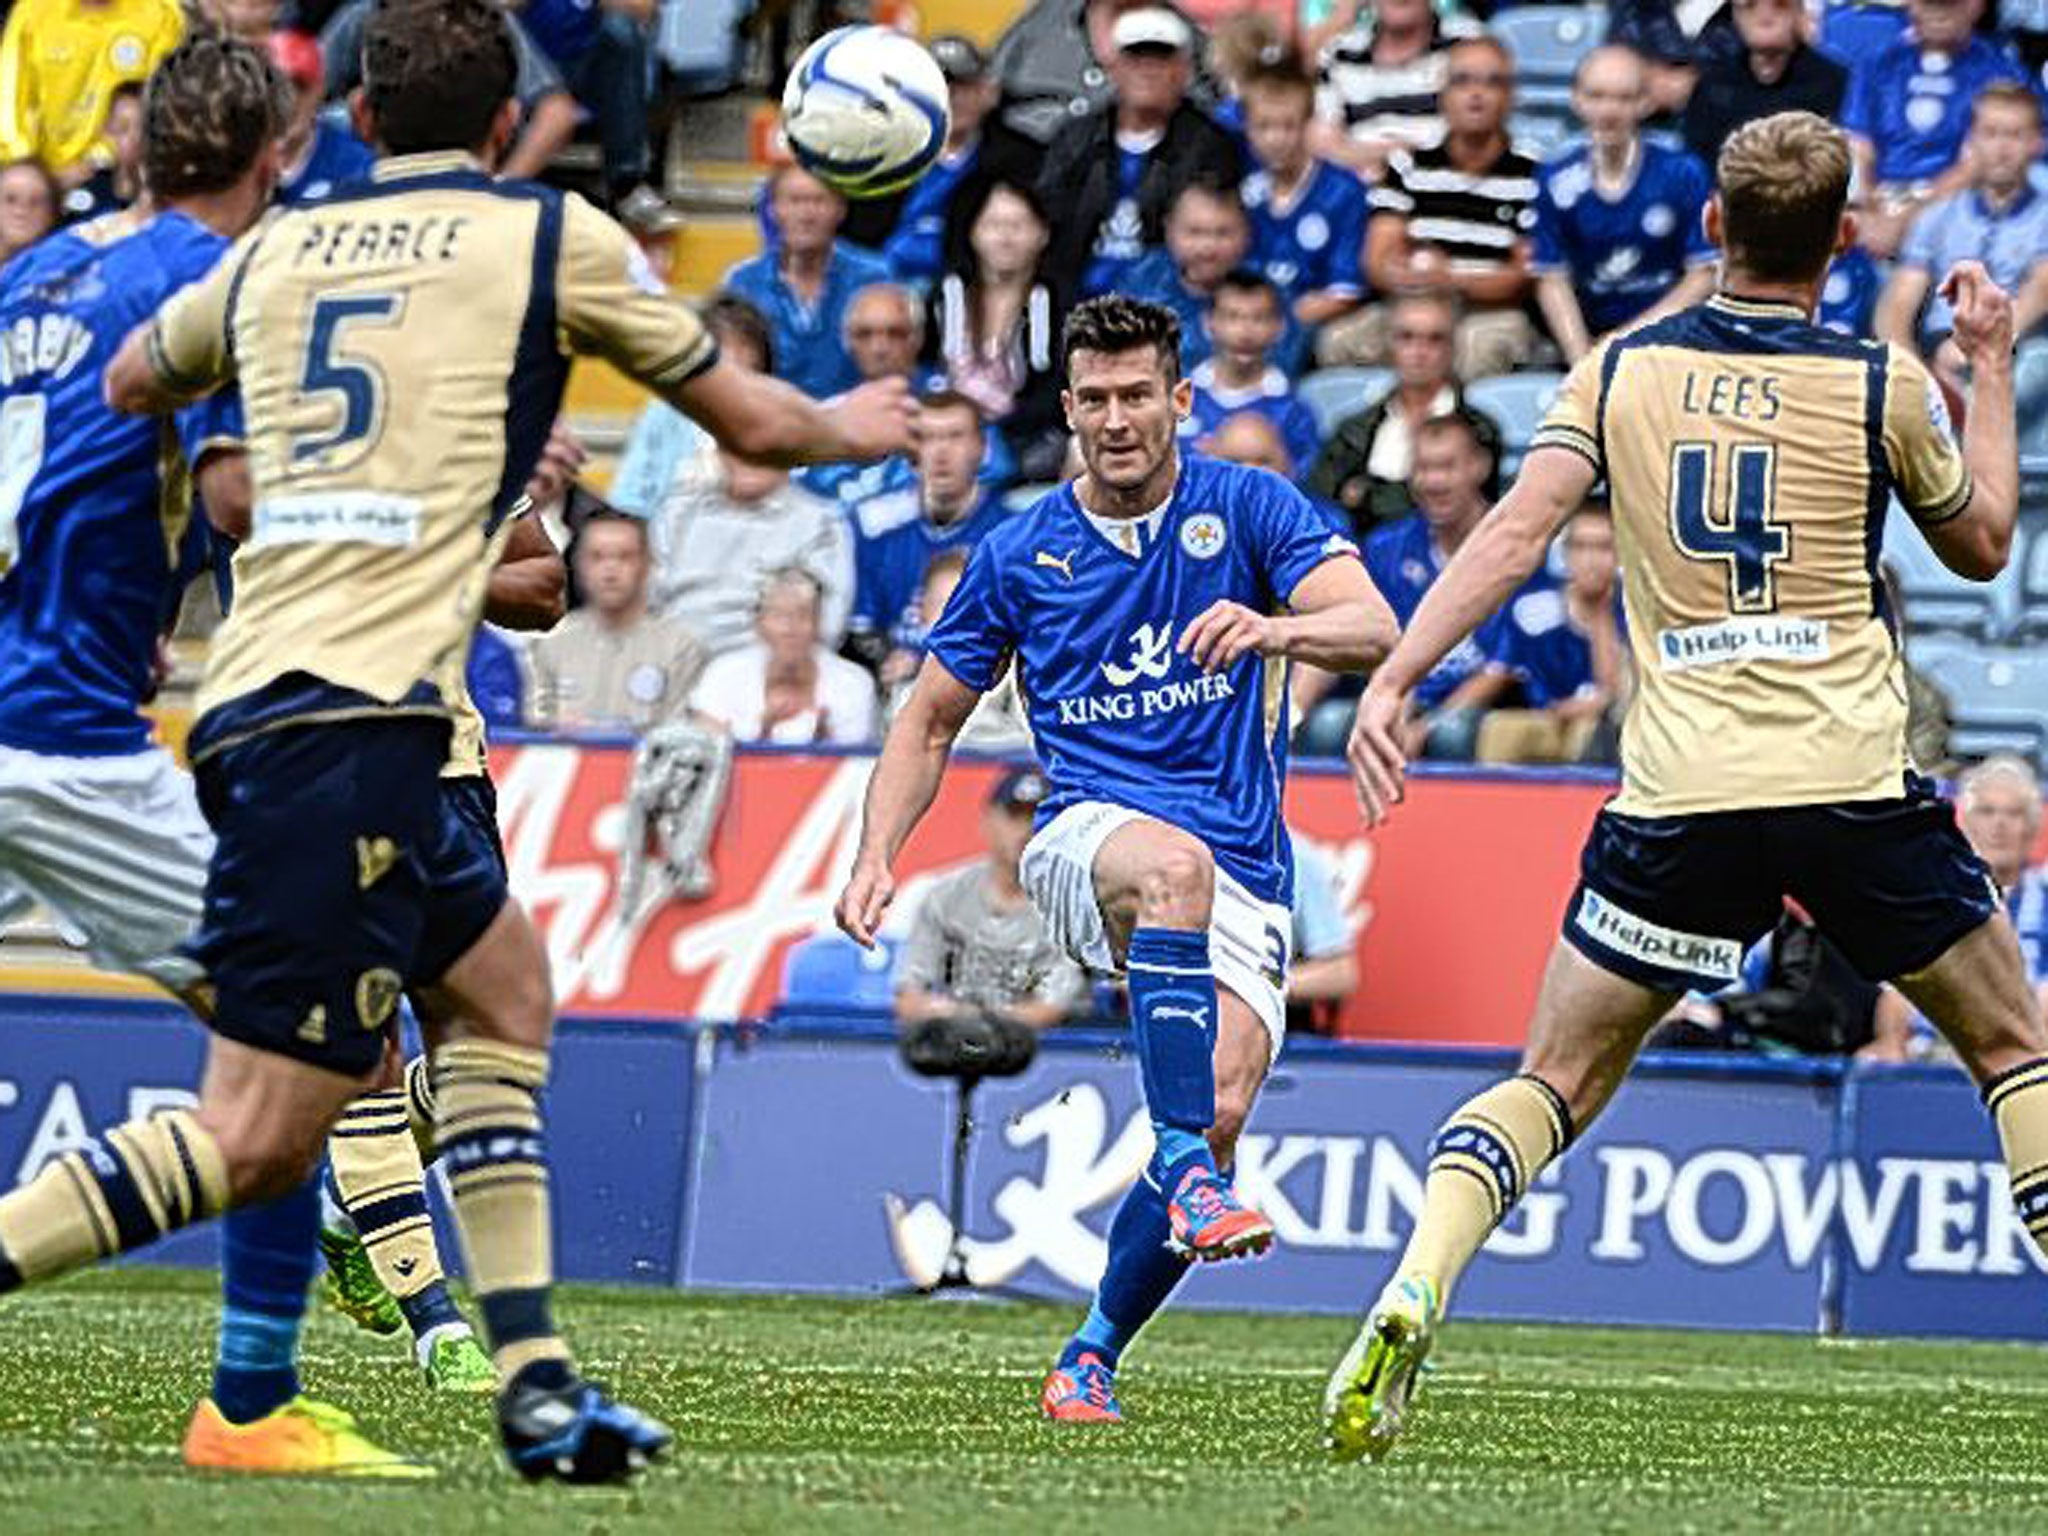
point(1455, 903)
point(1725, 1193)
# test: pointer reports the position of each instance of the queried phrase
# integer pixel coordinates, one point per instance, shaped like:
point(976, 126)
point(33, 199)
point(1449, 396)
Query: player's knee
point(1178, 888)
point(264, 1162)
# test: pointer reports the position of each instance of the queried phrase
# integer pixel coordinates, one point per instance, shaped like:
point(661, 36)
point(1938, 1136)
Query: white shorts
point(115, 847)
point(1249, 939)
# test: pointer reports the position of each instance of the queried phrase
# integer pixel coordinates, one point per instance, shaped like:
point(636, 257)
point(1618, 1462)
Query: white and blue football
point(865, 110)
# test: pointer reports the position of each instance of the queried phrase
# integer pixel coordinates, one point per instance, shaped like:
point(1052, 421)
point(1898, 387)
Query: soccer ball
point(865, 110)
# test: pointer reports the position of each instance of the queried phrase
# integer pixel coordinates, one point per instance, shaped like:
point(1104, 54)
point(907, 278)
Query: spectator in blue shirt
point(1909, 111)
point(1618, 231)
point(1848, 299)
point(1207, 236)
point(1405, 558)
point(318, 154)
point(806, 282)
point(602, 49)
point(1998, 219)
point(1565, 648)
point(897, 536)
point(1323, 959)
point(1246, 323)
point(884, 331)
point(1308, 214)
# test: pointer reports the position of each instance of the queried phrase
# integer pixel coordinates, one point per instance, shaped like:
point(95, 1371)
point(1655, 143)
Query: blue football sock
point(1141, 1273)
point(1173, 1017)
point(268, 1257)
point(428, 1308)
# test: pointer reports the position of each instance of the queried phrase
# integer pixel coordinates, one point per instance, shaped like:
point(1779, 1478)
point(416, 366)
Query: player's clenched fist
point(869, 890)
point(1983, 313)
point(1225, 631)
point(877, 419)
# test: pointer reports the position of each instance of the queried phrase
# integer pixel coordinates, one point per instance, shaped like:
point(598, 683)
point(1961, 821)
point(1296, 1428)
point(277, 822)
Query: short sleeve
point(189, 348)
point(1699, 186)
point(1922, 246)
point(611, 303)
point(1574, 418)
point(1920, 443)
point(978, 630)
point(1548, 255)
point(1294, 538)
point(1392, 194)
point(211, 425)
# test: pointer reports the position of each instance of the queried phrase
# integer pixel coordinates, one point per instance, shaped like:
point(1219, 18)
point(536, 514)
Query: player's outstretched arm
point(905, 781)
point(1977, 542)
point(1339, 622)
point(1508, 544)
point(760, 417)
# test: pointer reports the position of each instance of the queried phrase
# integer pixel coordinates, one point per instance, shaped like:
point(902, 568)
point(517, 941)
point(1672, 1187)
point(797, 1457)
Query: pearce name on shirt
point(339, 239)
point(1740, 396)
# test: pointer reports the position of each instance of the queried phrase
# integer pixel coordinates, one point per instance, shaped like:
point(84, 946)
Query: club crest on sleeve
point(1202, 535)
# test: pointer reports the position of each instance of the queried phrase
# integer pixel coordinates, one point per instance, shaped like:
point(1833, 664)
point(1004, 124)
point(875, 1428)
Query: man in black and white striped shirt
point(1456, 217)
point(1379, 85)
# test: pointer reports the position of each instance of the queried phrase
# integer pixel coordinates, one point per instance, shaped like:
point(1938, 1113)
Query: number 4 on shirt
point(1742, 535)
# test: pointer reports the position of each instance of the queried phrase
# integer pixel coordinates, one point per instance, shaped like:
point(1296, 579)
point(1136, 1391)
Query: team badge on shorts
point(1202, 535)
point(377, 996)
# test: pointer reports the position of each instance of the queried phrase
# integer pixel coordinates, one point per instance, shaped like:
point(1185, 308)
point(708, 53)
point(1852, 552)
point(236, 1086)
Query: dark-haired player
point(1140, 605)
point(1751, 457)
point(96, 822)
point(399, 353)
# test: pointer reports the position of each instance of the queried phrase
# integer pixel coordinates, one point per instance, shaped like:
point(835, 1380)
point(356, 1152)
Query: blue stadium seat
point(1517, 402)
point(1999, 695)
point(1335, 393)
point(1937, 601)
point(1539, 134)
point(698, 40)
point(829, 970)
point(2030, 396)
point(2032, 559)
point(1548, 41)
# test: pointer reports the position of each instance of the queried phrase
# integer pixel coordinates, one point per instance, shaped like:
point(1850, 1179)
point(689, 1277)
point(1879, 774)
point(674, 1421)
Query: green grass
point(908, 1417)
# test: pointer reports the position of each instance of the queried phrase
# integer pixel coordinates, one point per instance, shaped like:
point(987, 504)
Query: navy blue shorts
point(339, 872)
point(1673, 902)
point(468, 865)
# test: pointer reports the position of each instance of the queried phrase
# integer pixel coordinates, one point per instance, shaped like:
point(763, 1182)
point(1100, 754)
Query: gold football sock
point(118, 1193)
point(2018, 1101)
point(419, 1106)
point(1481, 1162)
point(379, 1181)
point(488, 1113)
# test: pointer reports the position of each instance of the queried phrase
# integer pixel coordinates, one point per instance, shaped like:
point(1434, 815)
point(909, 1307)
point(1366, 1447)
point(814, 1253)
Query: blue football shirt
point(894, 544)
point(1403, 562)
point(1272, 397)
point(916, 252)
point(97, 504)
point(338, 158)
point(1914, 105)
point(1549, 655)
point(1848, 299)
point(1313, 243)
point(809, 338)
point(1119, 714)
point(1623, 253)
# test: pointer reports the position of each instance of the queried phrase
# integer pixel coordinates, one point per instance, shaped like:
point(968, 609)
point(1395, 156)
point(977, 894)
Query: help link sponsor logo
point(1739, 640)
point(1671, 949)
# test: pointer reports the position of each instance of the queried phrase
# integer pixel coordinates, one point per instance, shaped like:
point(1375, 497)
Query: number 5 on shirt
point(354, 381)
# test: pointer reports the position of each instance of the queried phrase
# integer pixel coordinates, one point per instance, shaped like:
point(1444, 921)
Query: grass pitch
point(909, 1417)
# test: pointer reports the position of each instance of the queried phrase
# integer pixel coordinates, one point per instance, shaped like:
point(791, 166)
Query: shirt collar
point(434, 162)
point(2012, 209)
point(1757, 309)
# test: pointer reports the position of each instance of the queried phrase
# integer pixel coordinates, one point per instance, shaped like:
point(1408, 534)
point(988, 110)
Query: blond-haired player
point(1751, 459)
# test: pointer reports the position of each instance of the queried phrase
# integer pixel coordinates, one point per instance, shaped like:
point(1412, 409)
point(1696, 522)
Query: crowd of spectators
point(1357, 193)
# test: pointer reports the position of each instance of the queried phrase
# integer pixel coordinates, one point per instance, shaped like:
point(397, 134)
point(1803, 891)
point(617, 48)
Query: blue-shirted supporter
point(1207, 236)
point(1908, 109)
point(1308, 214)
point(319, 153)
point(1325, 971)
point(1848, 299)
point(1619, 236)
point(1405, 558)
point(1246, 323)
point(805, 284)
point(1998, 219)
point(896, 536)
point(1564, 648)
point(602, 48)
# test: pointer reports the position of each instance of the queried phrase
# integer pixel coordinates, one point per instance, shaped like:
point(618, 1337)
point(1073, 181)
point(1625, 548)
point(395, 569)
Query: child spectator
point(1246, 323)
point(1207, 235)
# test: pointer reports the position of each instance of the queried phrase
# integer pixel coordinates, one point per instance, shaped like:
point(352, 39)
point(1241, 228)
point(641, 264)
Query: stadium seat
point(1539, 134)
point(1517, 401)
point(698, 40)
point(1548, 41)
point(1936, 600)
point(2032, 559)
point(1335, 393)
point(2030, 397)
point(829, 970)
point(1999, 696)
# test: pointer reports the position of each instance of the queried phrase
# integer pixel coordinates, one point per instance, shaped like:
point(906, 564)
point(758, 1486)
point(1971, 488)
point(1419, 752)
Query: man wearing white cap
point(1110, 176)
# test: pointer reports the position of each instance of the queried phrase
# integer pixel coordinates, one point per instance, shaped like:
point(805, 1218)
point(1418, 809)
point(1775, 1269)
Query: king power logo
point(1336, 1195)
point(1151, 656)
